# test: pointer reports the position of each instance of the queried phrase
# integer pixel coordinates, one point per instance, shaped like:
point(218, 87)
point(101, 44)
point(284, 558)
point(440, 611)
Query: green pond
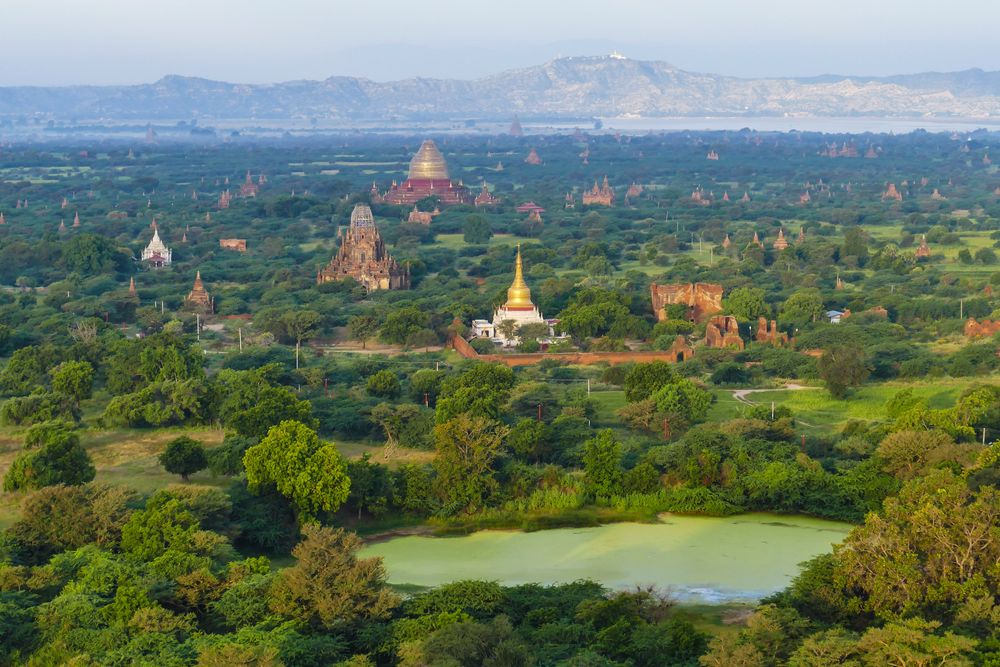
point(697, 559)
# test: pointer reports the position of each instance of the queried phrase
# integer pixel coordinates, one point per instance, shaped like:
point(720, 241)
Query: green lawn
point(456, 241)
point(816, 408)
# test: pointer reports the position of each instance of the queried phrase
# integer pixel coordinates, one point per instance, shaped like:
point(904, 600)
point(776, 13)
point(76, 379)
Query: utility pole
point(197, 325)
point(427, 400)
point(241, 338)
point(539, 412)
point(666, 428)
point(588, 386)
point(961, 309)
point(772, 410)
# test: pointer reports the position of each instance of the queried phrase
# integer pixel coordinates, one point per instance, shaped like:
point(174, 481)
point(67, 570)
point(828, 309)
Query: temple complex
point(702, 299)
point(249, 188)
point(486, 198)
point(529, 207)
point(428, 177)
point(599, 196)
point(726, 242)
point(76, 219)
point(723, 331)
point(157, 253)
point(131, 286)
point(756, 241)
point(533, 158)
point(712, 155)
point(362, 256)
point(937, 196)
point(802, 234)
point(518, 308)
point(746, 197)
point(224, 199)
point(924, 251)
point(892, 194)
point(634, 190)
point(198, 298)
point(515, 128)
point(870, 154)
point(780, 243)
point(3, 220)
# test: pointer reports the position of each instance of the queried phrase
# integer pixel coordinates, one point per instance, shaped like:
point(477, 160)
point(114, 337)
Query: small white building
point(157, 253)
point(518, 309)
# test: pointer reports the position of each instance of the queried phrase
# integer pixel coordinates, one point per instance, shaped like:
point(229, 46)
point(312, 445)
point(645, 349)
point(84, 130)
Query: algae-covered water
point(699, 559)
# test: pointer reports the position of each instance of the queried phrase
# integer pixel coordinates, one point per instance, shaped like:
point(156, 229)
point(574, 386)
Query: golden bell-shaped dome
point(428, 163)
point(518, 294)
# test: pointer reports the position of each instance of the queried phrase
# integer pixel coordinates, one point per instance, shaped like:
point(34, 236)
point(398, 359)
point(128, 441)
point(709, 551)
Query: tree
point(507, 329)
point(251, 405)
point(55, 457)
point(405, 424)
point(73, 379)
point(362, 328)
point(483, 389)
point(426, 383)
point(329, 588)
point(843, 367)
point(383, 384)
point(643, 380)
point(745, 303)
point(602, 465)
point(476, 230)
point(527, 439)
point(293, 460)
point(184, 456)
point(301, 325)
point(467, 446)
point(402, 323)
point(803, 307)
point(371, 486)
point(683, 399)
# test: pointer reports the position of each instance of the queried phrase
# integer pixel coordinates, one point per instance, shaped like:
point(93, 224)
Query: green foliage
point(55, 456)
point(643, 380)
point(745, 303)
point(480, 390)
point(73, 379)
point(843, 367)
point(329, 587)
point(476, 229)
point(383, 384)
point(184, 456)
point(292, 460)
point(602, 465)
point(467, 447)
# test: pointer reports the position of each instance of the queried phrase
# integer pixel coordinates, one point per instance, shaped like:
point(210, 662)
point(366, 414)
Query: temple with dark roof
point(428, 177)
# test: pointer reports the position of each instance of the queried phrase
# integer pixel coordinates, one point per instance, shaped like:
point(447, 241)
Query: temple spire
point(518, 294)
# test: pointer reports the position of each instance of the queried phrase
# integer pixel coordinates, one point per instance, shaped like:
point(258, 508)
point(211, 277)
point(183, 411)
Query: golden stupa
point(428, 163)
point(518, 294)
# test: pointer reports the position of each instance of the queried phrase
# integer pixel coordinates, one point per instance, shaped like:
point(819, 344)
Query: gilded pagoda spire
point(518, 294)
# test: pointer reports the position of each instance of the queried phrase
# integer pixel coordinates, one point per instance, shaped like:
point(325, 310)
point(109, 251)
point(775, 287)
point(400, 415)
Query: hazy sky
point(49, 42)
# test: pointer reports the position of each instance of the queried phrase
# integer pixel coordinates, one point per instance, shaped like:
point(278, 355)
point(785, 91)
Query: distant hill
point(566, 87)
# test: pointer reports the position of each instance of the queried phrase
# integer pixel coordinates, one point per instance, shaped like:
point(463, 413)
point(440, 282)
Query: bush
point(383, 384)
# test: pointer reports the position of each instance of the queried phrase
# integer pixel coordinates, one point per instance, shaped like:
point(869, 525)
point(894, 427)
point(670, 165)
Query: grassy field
point(129, 457)
point(456, 241)
point(817, 409)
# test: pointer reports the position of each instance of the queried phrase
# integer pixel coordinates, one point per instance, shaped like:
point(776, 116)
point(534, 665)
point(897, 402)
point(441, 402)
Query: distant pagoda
point(515, 128)
point(533, 158)
point(363, 257)
point(428, 177)
point(603, 195)
point(157, 254)
point(198, 298)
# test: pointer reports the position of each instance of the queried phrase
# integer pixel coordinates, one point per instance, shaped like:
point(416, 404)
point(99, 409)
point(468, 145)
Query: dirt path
point(741, 396)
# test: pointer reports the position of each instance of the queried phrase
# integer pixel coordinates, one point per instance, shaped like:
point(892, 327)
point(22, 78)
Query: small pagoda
point(780, 243)
point(198, 298)
point(924, 251)
point(515, 128)
point(892, 194)
point(533, 157)
point(486, 198)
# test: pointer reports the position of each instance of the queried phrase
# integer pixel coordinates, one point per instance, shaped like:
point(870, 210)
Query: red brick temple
point(428, 177)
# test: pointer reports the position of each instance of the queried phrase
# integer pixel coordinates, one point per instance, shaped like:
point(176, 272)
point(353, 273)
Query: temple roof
point(428, 163)
point(156, 245)
point(518, 294)
point(362, 216)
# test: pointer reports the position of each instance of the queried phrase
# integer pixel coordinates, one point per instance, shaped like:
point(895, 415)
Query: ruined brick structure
point(974, 329)
point(770, 334)
point(702, 299)
point(723, 331)
point(233, 244)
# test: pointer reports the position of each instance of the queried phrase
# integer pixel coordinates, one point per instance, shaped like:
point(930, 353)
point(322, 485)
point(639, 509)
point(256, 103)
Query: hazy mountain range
point(566, 87)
